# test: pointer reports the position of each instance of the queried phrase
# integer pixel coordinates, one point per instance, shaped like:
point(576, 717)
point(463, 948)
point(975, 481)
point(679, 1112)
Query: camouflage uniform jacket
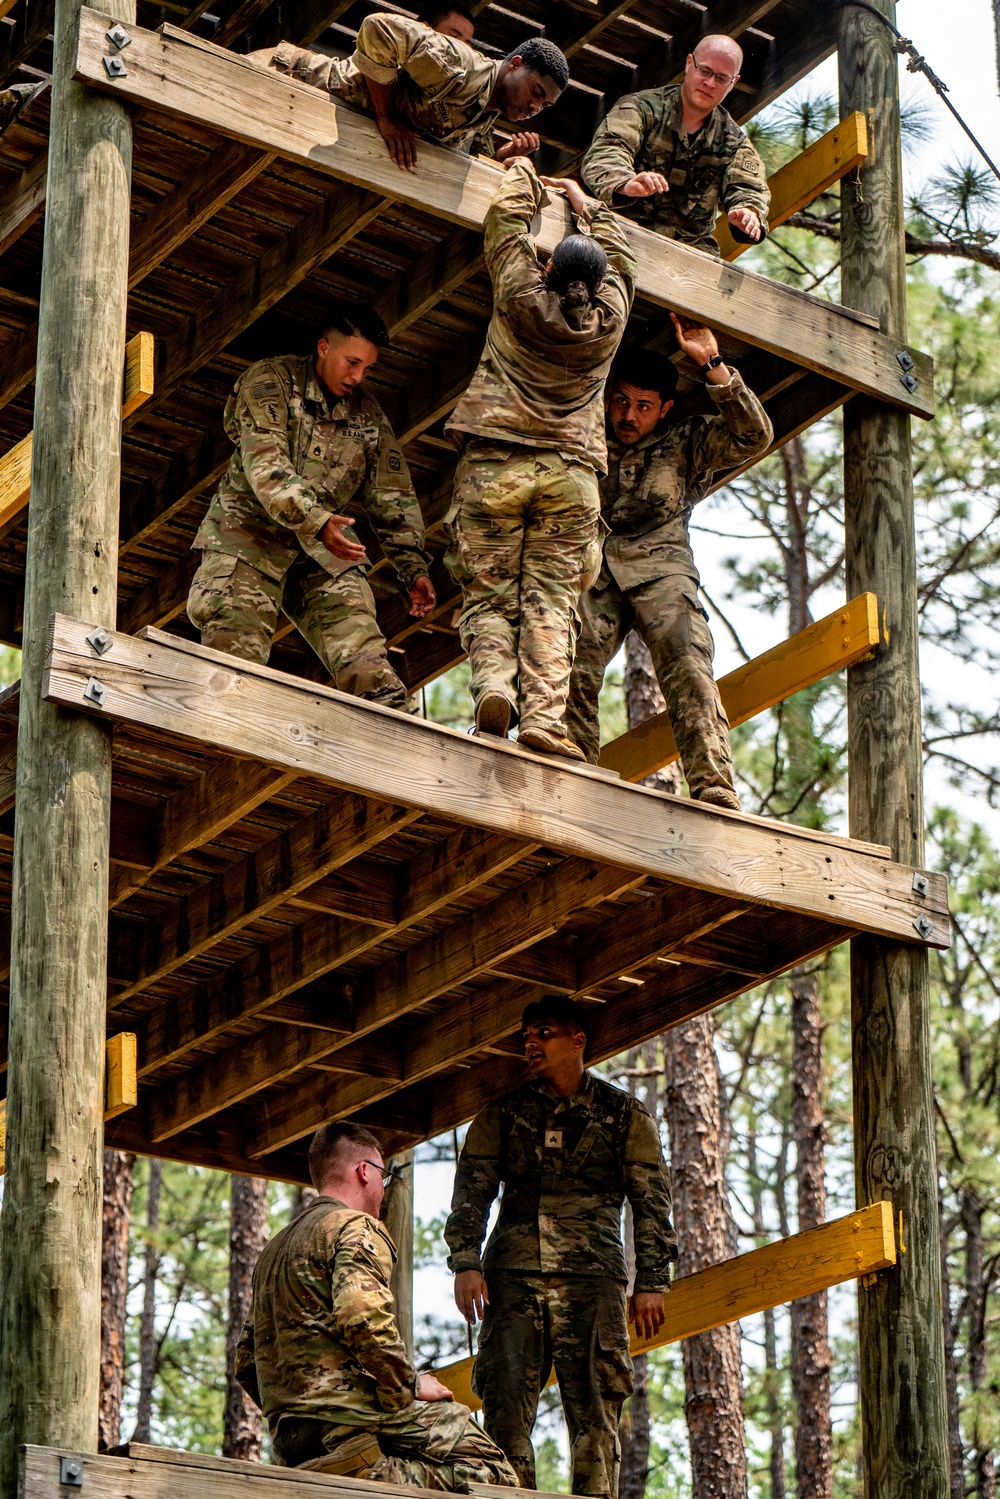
point(441, 86)
point(567, 1165)
point(541, 378)
point(321, 1339)
point(652, 486)
point(297, 462)
point(716, 167)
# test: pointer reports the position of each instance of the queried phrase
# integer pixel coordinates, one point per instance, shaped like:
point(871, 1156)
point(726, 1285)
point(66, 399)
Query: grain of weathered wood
point(241, 708)
point(174, 71)
point(181, 1475)
point(901, 1343)
point(24, 202)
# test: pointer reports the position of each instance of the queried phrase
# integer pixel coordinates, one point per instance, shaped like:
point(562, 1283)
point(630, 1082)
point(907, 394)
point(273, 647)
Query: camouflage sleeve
point(307, 67)
point(390, 44)
point(393, 509)
point(483, 142)
point(261, 420)
point(477, 1182)
point(510, 250)
point(610, 158)
point(609, 231)
point(740, 431)
point(647, 1188)
point(745, 186)
point(362, 1310)
point(246, 1362)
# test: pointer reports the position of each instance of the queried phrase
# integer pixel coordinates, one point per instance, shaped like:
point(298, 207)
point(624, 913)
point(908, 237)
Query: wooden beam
point(177, 73)
point(15, 465)
point(121, 1088)
point(847, 635)
point(24, 202)
point(796, 50)
point(860, 1244)
point(801, 181)
point(241, 708)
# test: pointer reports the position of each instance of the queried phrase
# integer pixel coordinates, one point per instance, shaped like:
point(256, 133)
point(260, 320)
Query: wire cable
point(903, 47)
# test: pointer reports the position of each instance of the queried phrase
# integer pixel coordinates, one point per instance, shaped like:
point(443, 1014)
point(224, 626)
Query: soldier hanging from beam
point(568, 1149)
point(657, 471)
point(309, 440)
point(523, 523)
point(667, 157)
point(417, 81)
point(321, 1354)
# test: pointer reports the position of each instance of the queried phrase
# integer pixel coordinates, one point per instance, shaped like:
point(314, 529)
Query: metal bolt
point(909, 382)
point(921, 884)
point(114, 67)
point(904, 361)
point(71, 1472)
point(924, 926)
point(100, 640)
point(118, 35)
point(95, 691)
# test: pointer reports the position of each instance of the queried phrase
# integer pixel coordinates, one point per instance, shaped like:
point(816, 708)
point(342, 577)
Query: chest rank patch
point(553, 1139)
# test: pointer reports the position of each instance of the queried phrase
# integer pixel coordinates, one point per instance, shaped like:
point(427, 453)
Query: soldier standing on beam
point(309, 440)
point(669, 157)
point(524, 521)
point(550, 1289)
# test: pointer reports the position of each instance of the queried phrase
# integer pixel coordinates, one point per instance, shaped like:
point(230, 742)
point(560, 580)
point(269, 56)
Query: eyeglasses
point(388, 1173)
point(708, 75)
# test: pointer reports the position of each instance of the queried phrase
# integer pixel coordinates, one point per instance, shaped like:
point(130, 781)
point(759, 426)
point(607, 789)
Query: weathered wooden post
point(901, 1335)
point(50, 1235)
point(397, 1215)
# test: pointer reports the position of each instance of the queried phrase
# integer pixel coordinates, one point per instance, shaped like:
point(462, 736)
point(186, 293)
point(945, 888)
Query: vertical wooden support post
point(900, 1325)
point(50, 1233)
point(397, 1215)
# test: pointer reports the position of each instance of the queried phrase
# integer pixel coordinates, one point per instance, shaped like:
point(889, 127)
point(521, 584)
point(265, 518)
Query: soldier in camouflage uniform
point(669, 158)
point(648, 581)
point(419, 81)
point(568, 1150)
point(321, 1354)
point(524, 520)
point(308, 441)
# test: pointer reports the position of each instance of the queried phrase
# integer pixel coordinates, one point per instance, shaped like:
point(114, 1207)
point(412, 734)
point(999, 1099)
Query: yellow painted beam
point(121, 1090)
point(846, 1249)
point(800, 181)
point(15, 466)
point(843, 637)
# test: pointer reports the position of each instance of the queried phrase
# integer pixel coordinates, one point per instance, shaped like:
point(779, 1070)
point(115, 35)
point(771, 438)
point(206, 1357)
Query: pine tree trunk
point(956, 1456)
point(118, 1182)
point(772, 1382)
point(975, 1291)
point(302, 1198)
point(247, 1234)
point(811, 1359)
point(147, 1327)
point(634, 1432)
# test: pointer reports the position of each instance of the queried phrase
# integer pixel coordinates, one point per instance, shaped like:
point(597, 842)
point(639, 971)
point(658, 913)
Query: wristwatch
point(714, 362)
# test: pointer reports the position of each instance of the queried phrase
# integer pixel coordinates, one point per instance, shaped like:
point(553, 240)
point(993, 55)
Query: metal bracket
point(924, 925)
point(71, 1472)
point(95, 691)
point(114, 67)
point(908, 382)
point(905, 361)
point(118, 36)
point(921, 884)
point(100, 640)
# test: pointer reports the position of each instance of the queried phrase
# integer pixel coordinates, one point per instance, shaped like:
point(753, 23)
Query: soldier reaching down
point(321, 1354)
point(308, 441)
point(568, 1149)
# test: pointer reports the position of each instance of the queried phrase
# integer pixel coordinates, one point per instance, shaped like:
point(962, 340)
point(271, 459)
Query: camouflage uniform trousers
point(236, 609)
point(524, 532)
point(667, 615)
point(427, 1444)
point(577, 1323)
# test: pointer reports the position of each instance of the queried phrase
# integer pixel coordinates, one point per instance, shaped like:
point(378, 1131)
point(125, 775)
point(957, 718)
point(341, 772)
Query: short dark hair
point(646, 370)
point(432, 14)
point(542, 57)
point(558, 1010)
point(355, 319)
point(336, 1146)
point(577, 258)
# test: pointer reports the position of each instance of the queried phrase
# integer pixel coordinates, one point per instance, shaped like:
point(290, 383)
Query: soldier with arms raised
point(672, 158)
point(321, 1354)
point(568, 1150)
point(309, 440)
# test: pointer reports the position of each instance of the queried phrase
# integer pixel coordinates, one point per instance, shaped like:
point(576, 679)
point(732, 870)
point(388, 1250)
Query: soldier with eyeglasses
point(672, 158)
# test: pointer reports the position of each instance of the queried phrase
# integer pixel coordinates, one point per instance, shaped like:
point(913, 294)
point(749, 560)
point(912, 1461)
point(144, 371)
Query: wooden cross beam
point(121, 1088)
point(860, 1244)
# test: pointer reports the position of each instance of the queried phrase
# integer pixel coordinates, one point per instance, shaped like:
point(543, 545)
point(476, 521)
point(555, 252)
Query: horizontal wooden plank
point(24, 202)
point(847, 635)
point(177, 73)
point(252, 710)
point(182, 1475)
point(861, 1243)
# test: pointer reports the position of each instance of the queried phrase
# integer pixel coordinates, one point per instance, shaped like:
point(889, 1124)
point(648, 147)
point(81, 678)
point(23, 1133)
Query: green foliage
point(10, 665)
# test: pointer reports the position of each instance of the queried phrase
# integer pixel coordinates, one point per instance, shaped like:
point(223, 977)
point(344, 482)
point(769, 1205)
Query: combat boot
point(544, 742)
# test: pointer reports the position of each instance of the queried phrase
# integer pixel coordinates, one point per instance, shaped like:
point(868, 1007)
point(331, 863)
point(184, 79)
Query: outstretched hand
point(422, 598)
point(333, 538)
point(644, 185)
point(401, 140)
point(745, 219)
point(645, 1310)
point(573, 191)
point(694, 339)
point(521, 144)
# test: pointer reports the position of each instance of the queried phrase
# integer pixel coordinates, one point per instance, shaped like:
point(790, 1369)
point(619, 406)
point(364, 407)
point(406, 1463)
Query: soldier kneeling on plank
point(568, 1149)
point(321, 1353)
point(308, 441)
